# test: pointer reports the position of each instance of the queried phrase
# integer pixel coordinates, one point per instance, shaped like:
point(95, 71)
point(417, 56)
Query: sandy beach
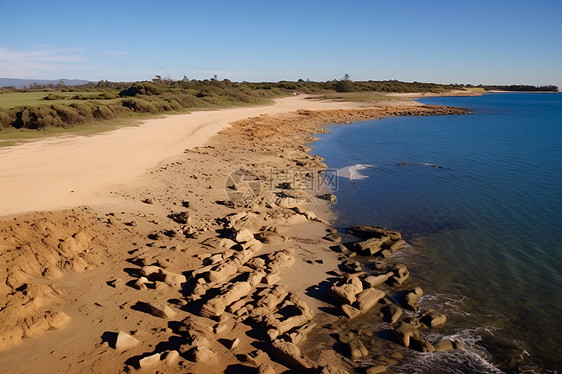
point(144, 249)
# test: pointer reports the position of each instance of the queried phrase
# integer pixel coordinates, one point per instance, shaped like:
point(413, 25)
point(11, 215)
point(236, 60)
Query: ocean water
point(485, 226)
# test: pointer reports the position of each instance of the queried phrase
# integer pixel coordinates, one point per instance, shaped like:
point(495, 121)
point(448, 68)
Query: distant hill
point(21, 83)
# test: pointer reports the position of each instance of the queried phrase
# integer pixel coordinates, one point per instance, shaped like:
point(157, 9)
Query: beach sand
point(141, 239)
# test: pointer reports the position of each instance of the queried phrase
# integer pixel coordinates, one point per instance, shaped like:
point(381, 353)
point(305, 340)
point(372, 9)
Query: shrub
point(67, 114)
point(84, 110)
point(103, 112)
point(140, 105)
point(54, 97)
point(344, 85)
point(6, 119)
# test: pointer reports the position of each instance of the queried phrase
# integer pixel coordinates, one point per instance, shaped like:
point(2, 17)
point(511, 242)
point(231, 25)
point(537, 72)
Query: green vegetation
point(43, 107)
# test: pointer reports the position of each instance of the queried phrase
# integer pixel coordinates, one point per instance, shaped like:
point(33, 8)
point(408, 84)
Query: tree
point(345, 84)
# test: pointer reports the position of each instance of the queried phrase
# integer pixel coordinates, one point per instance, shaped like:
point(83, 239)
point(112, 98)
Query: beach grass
point(36, 99)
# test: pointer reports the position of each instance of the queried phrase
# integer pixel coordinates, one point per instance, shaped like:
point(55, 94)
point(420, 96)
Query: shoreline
point(175, 222)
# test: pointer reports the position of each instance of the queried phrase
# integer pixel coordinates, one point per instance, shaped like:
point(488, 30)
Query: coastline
point(183, 225)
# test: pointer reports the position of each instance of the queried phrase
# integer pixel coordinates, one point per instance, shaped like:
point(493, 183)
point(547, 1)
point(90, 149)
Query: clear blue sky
point(491, 41)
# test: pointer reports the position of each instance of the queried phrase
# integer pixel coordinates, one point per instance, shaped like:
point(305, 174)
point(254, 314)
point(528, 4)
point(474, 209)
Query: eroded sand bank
point(83, 274)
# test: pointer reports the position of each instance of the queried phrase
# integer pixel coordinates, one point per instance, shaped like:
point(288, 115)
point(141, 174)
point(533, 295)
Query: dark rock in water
point(411, 299)
point(422, 345)
point(376, 369)
point(404, 333)
point(374, 280)
point(400, 274)
point(369, 247)
point(368, 232)
point(432, 318)
point(444, 345)
point(420, 163)
point(397, 245)
point(392, 313)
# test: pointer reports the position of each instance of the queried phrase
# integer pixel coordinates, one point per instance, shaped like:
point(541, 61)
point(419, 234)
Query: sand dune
point(59, 173)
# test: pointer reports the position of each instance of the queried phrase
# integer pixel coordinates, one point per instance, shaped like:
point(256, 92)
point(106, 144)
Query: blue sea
point(479, 198)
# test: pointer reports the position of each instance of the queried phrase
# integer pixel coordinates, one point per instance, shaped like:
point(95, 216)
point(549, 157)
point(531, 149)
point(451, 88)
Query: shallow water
point(485, 226)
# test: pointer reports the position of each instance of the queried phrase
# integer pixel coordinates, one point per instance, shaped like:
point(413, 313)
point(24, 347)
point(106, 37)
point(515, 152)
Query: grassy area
point(12, 136)
point(36, 99)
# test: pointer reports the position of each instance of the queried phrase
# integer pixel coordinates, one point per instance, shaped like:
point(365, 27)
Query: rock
point(150, 270)
point(234, 307)
point(125, 341)
point(219, 328)
point(432, 318)
point(271, 279)
point(411, 299)
point(392, 313)
point(404, 333)
point(368, 298)
point(333, 237)
point(280, 260)
point(329, 369)
point(369, 247)
point(214, 259)
point(255, 277)
point(181, 217)
point(375, 232)
point(148, 200)
point(376, 369)
point(226, 244)
point(266, 369)
point(345, 291)
point(290, 355)
point(217, 305)
point(374, 280)
point(149, 361)
point(202, 355)
point(231, 344)
point(116, 283)
point(444, 345)
point(252, 245)
point(356, 349)
point(400, 274)
point(161, 310)
point(172, 358)
point(222, 272)
point(140, 283)
point(243, 236)
point(422, 345)
point(173, 279)
point(398, 245)
point(298, 336)
point(270, 298)
point(349, 311)
point(346, 337)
